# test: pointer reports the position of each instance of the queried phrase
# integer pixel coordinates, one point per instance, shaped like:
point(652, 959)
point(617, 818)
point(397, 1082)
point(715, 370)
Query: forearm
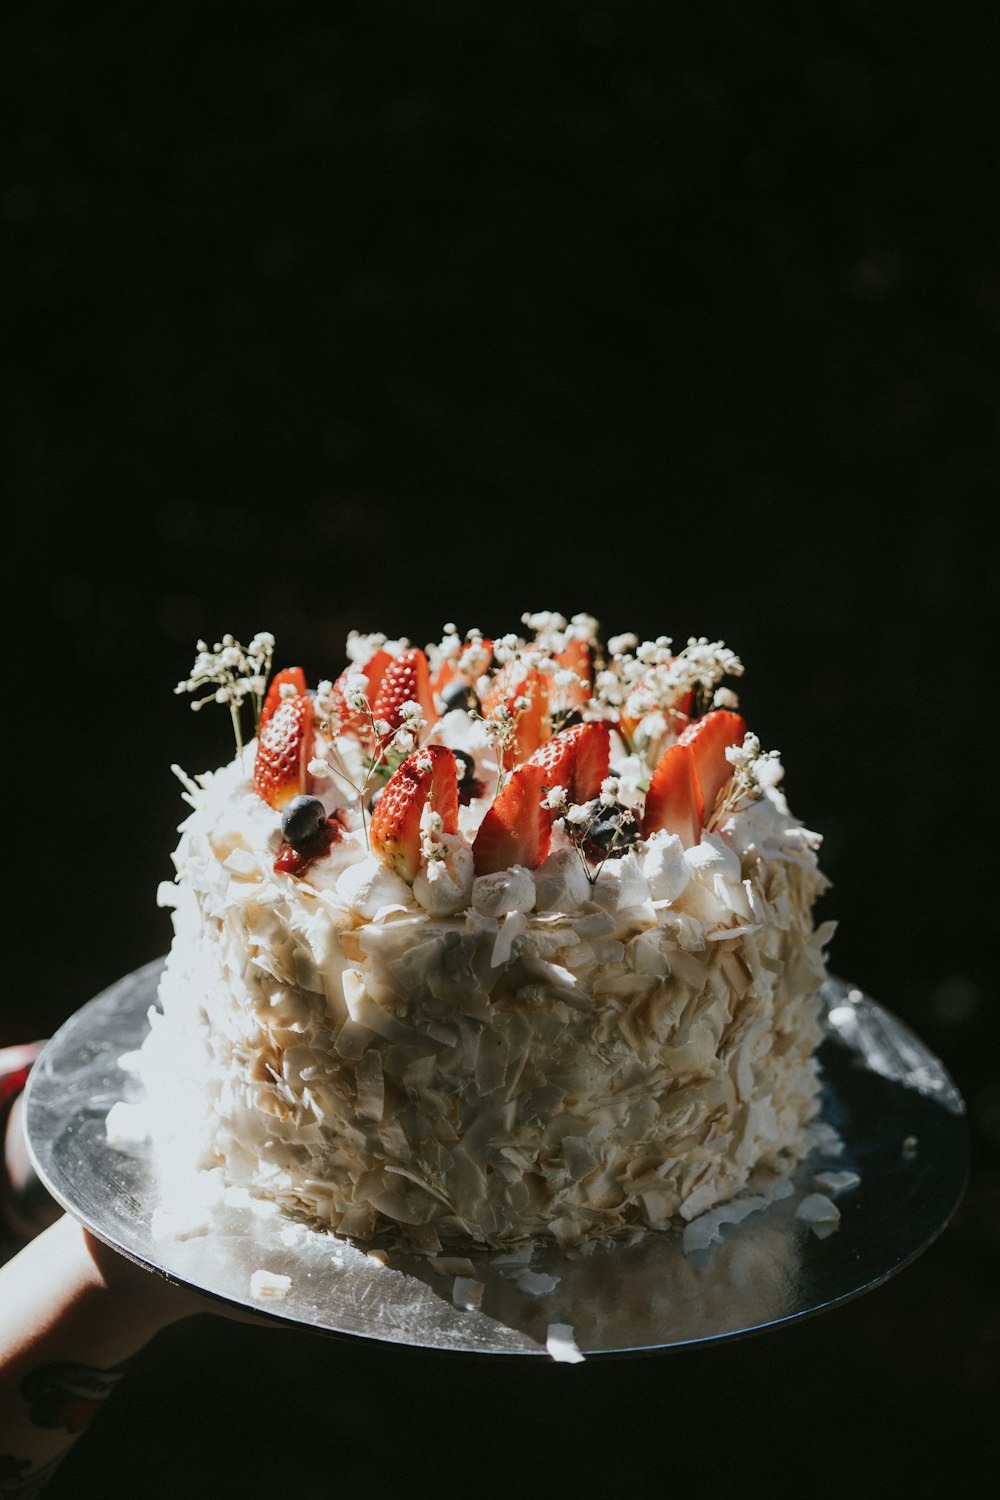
point(72, 1314)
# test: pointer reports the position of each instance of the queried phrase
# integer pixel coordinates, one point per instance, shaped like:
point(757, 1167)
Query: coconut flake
point(127, 1127)
point(535, 1283)
point(452, 1265)
point(514, 923)
point(467, 1293)
point(707, 1228)
point(561, 1344)
point(264, 1284)
point(836, 1182)
point(820, 1213)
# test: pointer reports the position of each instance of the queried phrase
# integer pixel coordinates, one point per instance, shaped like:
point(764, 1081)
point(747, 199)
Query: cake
point(494, 942)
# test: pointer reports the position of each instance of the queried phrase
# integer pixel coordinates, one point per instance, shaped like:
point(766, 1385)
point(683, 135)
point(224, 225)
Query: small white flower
point(319, 770)
point(404, 741)
point(382, 727)
point(555, 798)
point(580, 814)
point(725, 698)
point(609, 791)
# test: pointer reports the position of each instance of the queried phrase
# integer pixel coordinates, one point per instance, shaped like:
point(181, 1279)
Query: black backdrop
point(380, 315)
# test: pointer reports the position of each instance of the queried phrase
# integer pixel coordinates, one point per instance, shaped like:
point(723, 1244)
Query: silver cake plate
point(897, 1113)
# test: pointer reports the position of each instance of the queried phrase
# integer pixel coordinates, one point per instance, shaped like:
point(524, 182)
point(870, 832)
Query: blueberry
point(302, 819)
point(613, 831)
point(458, 694)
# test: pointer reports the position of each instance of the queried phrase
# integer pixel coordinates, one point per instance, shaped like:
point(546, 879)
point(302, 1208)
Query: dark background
point(381, 315)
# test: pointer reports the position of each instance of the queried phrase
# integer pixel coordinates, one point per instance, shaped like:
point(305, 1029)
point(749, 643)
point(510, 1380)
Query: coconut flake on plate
point(820, 1213)
point(265, 1284)
point(467, 1293)
point(534, 1283)
point(836, 1182)
point(562, 1345)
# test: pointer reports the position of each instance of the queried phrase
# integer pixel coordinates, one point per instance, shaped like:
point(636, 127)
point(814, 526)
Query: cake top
point(479, 756)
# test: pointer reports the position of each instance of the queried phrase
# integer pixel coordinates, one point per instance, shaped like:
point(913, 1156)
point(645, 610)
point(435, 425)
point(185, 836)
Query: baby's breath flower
point(618, 645)
point(580, 814)
point(555, 798)
point(609, 791)
point(229, 673)
point(382, 728)
point(753, 771)
point(355, 690)
point(725, 698)
point(320, 770)
point(403, 742)
point(410, 711)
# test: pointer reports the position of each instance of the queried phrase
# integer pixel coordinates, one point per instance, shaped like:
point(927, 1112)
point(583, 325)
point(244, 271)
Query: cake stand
point(897, 1113)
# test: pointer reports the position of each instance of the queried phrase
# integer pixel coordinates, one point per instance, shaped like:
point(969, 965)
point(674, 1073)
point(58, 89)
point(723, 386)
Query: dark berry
point(458, 694)
point(302, 819)
point(613, 830)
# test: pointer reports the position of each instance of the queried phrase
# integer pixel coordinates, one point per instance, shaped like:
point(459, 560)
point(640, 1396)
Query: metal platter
point(897, 1112)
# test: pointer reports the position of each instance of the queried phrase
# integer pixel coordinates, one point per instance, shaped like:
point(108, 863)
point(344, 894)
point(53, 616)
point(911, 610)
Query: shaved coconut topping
point(576, 1052)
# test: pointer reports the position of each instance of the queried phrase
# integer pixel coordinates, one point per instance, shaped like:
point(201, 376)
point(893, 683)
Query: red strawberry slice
point(353, 720)
point(407, 679)
point(576, 658)
point(284, 750)
point(288, 676)
point(593, 751)
point(674, 800)
point(430, 775)
point(577, 759)
point(517, 829)
point(709, 738)
point(532, 726)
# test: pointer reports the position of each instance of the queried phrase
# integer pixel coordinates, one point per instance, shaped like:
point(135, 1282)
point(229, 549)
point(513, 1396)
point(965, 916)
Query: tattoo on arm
point(63, 1396)
point(68, 1395)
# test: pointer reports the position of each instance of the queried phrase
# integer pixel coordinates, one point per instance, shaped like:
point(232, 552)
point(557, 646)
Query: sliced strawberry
point(577, 759)
point(430, 775)
point(288, 676)
point(593, 751)
point(576, 658)
point(532, 726)
point(353, 720)
point(677, 712)
point(674, 800)
point(709, 738)
point(517, 829)
point(407, 679)
point(284, 750)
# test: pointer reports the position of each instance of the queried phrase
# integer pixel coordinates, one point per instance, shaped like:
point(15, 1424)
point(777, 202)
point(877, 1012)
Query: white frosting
point(444, 886)
point(507, 890)
point(522, 1055)
point(369, 885)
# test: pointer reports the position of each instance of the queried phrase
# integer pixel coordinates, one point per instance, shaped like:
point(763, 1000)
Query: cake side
point(592, 1046)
